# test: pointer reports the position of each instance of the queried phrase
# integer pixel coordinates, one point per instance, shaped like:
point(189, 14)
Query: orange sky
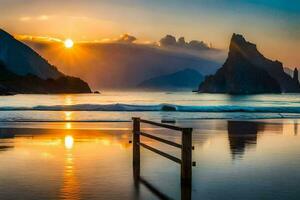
point(273, 26)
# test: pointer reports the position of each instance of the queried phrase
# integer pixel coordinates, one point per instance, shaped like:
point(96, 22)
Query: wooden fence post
point(186, 157)
point(136, 147)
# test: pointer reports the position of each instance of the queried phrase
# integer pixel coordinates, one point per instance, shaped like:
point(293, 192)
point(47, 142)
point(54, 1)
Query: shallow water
point(121, 106)
point(235, 160)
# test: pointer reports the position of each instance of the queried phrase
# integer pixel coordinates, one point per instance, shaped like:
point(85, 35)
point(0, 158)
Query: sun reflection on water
point(68, 115)
point(69, 142)
point(68, 125)
point(70, 188)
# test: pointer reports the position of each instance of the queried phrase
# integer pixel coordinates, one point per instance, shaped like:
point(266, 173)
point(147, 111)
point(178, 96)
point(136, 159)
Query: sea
point(122, 106)
point(79, 146)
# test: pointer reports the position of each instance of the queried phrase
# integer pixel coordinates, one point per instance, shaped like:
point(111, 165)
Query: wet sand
point(235, 160)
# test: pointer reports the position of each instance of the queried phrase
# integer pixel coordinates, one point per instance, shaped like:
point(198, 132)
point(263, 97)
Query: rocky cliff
point(247, 71)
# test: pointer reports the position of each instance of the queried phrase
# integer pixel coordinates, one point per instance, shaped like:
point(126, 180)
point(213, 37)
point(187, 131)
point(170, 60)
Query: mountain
point(124, 65)
point(22, 60)
point(22, 70)
point(187, 79)
point(247, 71)
point(32, 84)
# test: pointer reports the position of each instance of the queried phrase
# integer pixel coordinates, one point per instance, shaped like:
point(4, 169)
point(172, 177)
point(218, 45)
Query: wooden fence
point(186, 148)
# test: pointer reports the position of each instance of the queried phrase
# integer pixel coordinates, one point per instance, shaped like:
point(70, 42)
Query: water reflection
point(69, 142)
point(96, 164)
point(154, 190)
point(70, 188)
point(5, 147)
point(295, 128)
point(241, 135)
point(5, 143)
point(68, 115)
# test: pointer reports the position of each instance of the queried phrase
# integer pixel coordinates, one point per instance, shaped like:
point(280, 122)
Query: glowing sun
point(69, 43)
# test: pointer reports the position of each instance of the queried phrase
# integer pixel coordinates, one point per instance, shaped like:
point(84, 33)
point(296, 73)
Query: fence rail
point(161, 140)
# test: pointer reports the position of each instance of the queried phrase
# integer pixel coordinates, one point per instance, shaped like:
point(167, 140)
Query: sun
point(68, 43)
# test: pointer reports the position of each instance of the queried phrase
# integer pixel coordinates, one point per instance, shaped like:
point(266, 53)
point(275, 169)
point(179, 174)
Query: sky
point(273, 25)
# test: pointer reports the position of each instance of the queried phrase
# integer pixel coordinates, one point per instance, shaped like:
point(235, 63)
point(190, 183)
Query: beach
point(142, 100)
point(258, 159)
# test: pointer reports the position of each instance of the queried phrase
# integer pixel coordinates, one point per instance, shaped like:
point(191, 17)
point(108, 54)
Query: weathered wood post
point(186, 157)
point(136, 147)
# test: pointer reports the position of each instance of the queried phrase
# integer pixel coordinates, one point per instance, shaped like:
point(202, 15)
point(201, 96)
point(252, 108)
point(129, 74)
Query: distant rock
point(296, 76)
point(187, 79)
point(22, 70)
point(97, 92)
point(168, 108)
point(247, 71)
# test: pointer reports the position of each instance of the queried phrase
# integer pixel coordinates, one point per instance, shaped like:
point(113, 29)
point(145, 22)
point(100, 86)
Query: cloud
point(170, 41)
point(128, 63)
point(38, 18)
point(42, 17)
point(37, 39)
point(126, 38)
point(25, 18)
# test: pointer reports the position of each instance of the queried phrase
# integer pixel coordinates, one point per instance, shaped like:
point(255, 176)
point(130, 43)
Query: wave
point(157, 108)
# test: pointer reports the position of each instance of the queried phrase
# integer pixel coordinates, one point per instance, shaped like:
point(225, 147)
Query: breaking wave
point(157, 108)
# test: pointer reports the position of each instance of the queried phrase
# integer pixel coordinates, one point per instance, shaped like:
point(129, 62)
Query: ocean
point(121, 106)
point(78, 146)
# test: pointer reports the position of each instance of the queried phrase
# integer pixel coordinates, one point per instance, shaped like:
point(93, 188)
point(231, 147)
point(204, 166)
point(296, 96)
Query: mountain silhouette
point(247, 71)
point(180, 80)
point(22, 70)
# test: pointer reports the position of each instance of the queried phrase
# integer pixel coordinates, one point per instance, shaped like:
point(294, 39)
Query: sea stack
point(247, 71)
point(295, 76)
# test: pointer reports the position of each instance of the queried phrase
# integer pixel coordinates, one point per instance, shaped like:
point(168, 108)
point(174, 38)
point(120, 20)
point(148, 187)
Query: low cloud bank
point(170, 41)
point(124, 63)
point(127, 38)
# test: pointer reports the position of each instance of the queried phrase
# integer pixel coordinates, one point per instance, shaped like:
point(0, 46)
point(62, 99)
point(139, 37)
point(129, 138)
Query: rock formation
point(247, 71)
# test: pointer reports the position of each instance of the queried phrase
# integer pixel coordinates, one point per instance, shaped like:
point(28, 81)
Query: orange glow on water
point(68, 115)
point(68, 125)
point(70, 187)
point(97, 162)
point(69, 142)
